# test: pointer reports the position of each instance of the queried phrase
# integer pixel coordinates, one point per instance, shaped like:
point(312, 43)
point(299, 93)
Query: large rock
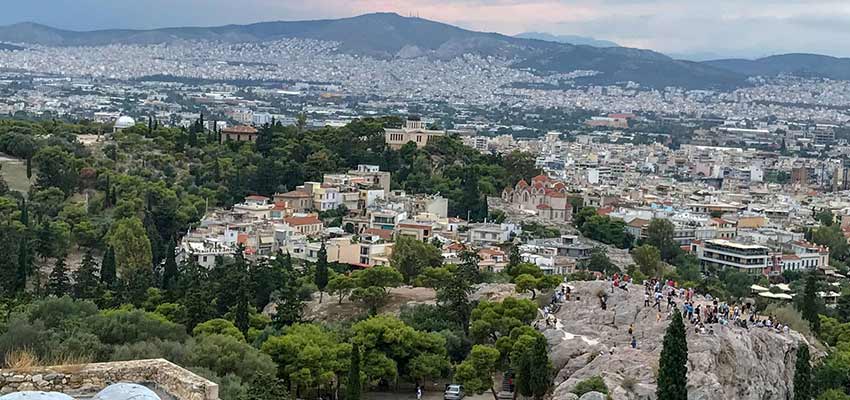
point(732, 363)
point(592, 396)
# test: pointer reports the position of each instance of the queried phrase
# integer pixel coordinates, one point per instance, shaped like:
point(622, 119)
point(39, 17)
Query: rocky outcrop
point(87, 379)
point(730, 363)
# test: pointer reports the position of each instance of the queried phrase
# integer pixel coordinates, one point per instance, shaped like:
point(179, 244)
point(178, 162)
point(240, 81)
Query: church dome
point(124, 122)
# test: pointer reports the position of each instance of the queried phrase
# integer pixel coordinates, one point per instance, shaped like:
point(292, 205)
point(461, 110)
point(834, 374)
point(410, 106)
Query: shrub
point(592, 384)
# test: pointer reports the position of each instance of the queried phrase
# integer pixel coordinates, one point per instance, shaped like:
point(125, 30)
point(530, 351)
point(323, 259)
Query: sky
point(748, 28)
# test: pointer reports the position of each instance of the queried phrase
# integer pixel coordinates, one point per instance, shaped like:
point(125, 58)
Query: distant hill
point(571, 39)
point(388, 35)
point(6, 46)
point(807, 65)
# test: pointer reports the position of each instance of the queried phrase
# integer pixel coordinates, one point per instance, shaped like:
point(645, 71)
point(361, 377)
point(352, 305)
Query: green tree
point(59, 284)
point(648, 259)
point(266, 387)
point(86, 281)
point(107, 267)
point(659, 233)
point(56, 169)
point(531, 365)
point(218, 326)
point(373, 284)
point(514, 259)
point(411, 256)
point(477, 370)
point(352, 386)
point(289, 306)
point(131, 245)
point(673, 364)
point(308, 357)
point(341, 285)
point(321, 276)
point(834, 394)
point(803, 374)
point(582, 216)
point(393, 349)
point(600, 262)
point(491, 321)
point(810, 307)
point(170, 270)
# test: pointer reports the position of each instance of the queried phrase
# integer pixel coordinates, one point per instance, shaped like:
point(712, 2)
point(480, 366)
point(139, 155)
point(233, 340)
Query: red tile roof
point(240, 129)
point(385, 234)
point(301, 221)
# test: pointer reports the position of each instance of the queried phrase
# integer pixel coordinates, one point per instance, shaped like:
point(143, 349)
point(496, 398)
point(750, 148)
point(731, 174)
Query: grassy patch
point(15, 173)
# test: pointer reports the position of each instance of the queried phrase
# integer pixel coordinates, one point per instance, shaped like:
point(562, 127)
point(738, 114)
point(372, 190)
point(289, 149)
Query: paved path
point(425, 396)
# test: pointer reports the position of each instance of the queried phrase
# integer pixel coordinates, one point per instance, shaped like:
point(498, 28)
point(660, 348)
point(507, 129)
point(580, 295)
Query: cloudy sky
point(722, 27)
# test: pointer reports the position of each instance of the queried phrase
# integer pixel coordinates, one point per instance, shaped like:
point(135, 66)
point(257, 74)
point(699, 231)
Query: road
point(430, 395)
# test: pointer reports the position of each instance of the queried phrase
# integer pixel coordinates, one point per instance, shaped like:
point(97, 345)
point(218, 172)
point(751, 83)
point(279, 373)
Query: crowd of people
point(703, 315)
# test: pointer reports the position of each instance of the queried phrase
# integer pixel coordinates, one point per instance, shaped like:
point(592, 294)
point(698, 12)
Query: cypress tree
point(107, 267)
point(29, 167)
point(810, 302)
point(86, 283)
point(25, 215)
point(24, 267)
point(170, 270)
point(803, 374)
point(673, 365)
point(352, 388)
point(244, 296)
point(58, 283)
point(289, 305)
point(513, 259)
point(532, 368)
point(321, 276)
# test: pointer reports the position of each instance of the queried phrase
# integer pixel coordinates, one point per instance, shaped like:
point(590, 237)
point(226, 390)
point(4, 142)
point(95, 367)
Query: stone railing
point(87, 379)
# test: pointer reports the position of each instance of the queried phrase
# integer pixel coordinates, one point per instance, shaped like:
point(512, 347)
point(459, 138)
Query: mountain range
point(389, 35)
point(570, 39)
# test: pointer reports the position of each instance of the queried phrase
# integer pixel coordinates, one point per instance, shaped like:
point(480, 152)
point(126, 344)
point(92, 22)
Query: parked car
point(454, 392)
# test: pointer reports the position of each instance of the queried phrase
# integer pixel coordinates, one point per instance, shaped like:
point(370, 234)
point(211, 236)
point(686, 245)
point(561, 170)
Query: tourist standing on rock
point(646, 299)
point(631, 329)
point(634, 342)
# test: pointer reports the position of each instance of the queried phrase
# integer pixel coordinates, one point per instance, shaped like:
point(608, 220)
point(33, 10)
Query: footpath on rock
point(730, 362)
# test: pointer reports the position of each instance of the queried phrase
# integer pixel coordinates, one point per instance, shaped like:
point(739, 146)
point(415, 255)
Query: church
point(545, 196)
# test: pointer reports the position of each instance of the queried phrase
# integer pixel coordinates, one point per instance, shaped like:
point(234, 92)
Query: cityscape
point(393, 207)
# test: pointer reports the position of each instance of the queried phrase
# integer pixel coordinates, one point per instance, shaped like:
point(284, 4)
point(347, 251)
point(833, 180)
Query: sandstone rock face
point(731, 363)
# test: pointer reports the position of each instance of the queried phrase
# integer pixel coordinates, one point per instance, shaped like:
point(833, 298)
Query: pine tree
point(58, 284)
point(803, 374)
point(289, 305)
point(352, 388)
point(810, 302)
point(107, 267)
point(86, 282)
point(673, 364)
point(321, 276)
point(266, 387)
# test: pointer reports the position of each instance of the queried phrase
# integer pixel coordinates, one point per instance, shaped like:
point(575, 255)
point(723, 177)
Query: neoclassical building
point(545, 196)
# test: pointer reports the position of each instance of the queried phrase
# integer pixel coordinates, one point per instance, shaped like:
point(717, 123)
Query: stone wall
point(87, 379)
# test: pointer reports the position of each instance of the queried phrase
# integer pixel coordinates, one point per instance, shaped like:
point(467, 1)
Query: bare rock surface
point(731, 363)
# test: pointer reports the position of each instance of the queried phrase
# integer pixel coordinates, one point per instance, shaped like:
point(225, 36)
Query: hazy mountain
point(387, 35)
point(571, 39)
point(809, 65)
point(7, 46)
